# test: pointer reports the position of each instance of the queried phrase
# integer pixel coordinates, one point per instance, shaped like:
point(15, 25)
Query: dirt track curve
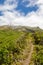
point(27, 61)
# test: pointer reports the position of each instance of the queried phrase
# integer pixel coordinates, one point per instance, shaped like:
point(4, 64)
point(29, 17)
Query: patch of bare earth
point(27, 61)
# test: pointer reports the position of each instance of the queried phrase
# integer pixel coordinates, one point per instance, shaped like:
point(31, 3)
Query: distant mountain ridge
point(20, 28)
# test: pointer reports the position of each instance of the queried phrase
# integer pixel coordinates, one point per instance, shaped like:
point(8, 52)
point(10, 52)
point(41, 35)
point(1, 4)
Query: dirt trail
point(27, 61)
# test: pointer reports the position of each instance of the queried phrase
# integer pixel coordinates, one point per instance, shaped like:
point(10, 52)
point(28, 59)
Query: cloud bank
point(11, 14)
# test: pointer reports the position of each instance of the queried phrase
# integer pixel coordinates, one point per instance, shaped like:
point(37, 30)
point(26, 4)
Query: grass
point(13, 43)
point(9, 35)
point(8, 45)
point(15, 47)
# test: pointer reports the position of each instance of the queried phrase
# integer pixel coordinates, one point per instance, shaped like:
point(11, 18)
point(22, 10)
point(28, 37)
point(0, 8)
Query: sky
point(21, 12)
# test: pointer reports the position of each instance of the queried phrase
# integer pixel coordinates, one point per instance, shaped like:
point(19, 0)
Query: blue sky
point(1, 13)
point(21, 6)
point(22, 12)
point(2, 2)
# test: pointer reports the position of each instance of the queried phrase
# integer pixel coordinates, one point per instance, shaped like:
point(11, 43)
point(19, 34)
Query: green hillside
point(21, 46)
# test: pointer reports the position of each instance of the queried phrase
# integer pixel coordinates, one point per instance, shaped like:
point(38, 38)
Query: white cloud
point(16, 18)
point(8, 5)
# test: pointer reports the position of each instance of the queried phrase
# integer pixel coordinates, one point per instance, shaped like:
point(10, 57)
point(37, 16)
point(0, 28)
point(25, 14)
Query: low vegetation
point(37, 56)
point(15, 46)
